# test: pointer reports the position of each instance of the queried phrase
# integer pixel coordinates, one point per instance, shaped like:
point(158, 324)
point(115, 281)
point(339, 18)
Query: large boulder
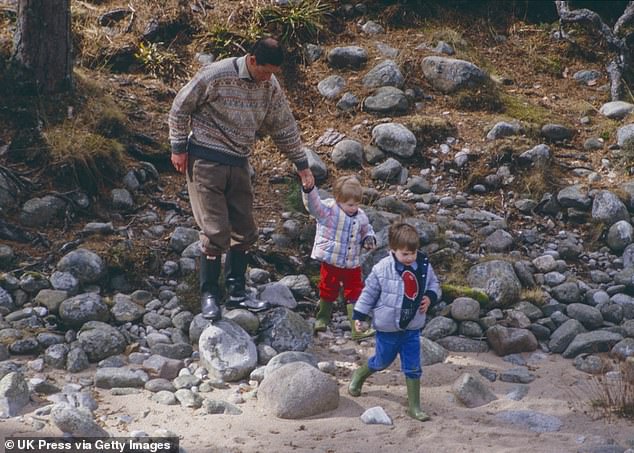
point(227, 351)
point(298, 390)
point(498, 279)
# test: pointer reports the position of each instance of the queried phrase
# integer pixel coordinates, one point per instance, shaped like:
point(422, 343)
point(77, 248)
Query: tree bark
point(622, 63)
point(42, 43)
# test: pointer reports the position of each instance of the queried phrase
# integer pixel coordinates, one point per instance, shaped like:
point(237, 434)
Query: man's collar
point(243, 72)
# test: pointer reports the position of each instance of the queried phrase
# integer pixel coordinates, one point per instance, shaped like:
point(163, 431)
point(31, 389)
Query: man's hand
point(308, 180)
point(424, 304)
point(180, 162)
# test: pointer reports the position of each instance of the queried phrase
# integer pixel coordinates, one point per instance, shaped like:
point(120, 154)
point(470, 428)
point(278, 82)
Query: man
point(213, 125)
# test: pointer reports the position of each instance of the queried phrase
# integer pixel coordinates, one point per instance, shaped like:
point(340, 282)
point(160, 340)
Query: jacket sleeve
point(369, 296)
point(280, 124)
point(367, 231)
point(187, 101)
point(432, 289)
point(314, 205)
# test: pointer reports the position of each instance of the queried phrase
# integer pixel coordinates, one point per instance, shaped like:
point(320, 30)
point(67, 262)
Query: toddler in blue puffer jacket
point(400, 289)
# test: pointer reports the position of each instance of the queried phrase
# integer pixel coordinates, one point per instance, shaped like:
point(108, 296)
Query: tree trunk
point(42, 43)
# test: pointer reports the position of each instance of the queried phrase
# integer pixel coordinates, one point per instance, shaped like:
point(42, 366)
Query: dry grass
point(533, 295)
point(613, 394)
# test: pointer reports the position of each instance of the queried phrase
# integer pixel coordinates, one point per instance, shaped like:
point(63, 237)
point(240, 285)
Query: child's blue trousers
point(406, 343)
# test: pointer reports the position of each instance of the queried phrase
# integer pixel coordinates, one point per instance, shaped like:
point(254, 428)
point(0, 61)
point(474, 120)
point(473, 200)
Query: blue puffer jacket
point(384, 290)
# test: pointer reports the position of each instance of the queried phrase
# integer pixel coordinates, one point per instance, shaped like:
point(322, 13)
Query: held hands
point(424, 304)
point(180, 162)
point(369, 243)
point(361, 326)
point(308, 180)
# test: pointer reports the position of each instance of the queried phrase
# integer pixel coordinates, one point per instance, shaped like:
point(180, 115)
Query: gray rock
point(431, 352)
point(76, 360)
point(386, 73)
point(498, 280)
point(589, 316)
point(461, 344)
point(575, 196)
point(227, 351)
point(506, 341)
point(503, 129)
point(498, 242)
point(347, 153)
point(519, 375)
point(449, 75)
point(278, 295)
point(64, 281)
point(586, 75)
point(182, 237)
point(471, 391)
point(623, 349)
point(394, 138)
point(372, 28)
point(14, 394)
point(121, 200)
point(331, 86)
point(563, 336)
point(376, 416)
point(77, 422)
point(55, 356)
point(616, 110)
point(316, 165)
point(162, 367)
point(386, 100)
point(608, 208)
point(288, 357)
point(108, 378)
point(590, 363)
point(439, 327)
point(537, 154)
point(531, 420)
point(620, 235)
point(600, 340)
point(347, 57)
point(84, 265)
point(38, 212)
point(78, 310)
point(100, 340)
point(285, 392)
point(391, 171)
point(556, 132)
point(567, 293)
point(348, 102)
point(124, 310)
point(164, 397)
point(465, 309)
point(285, 330)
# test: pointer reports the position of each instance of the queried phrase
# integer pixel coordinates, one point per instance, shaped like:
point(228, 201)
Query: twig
point(128, 29)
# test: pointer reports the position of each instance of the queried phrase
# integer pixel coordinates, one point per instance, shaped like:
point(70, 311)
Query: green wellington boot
point(355, 334)
point(413, 400)
point(358, 378)
point(323, 315)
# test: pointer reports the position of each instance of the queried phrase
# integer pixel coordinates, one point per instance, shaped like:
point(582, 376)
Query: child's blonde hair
point(403, 236)
point(348, 188)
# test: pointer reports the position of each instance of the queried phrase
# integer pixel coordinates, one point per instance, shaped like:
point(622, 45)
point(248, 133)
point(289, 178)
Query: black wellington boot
point(235, 270)
point(209, 289)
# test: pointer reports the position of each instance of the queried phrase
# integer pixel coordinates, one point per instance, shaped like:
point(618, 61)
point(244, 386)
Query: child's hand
point(424, 304)
point(361, 326)
point(369, 243)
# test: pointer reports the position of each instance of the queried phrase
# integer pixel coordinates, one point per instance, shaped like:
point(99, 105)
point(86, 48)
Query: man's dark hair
point(268, 51)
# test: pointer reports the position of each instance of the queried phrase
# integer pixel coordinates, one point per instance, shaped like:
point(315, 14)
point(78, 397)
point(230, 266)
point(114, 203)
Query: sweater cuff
point(178, 147)
point(358, 316)
point(301, 164)
point(433, 297)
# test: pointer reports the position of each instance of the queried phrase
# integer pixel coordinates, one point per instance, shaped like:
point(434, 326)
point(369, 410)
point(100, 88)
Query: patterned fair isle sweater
point(225, 111)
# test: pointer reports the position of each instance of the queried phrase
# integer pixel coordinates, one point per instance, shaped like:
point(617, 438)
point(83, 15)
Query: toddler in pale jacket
point(343, 229)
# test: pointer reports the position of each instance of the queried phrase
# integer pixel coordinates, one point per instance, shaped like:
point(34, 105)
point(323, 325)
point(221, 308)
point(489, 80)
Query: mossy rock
point(451, 292)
